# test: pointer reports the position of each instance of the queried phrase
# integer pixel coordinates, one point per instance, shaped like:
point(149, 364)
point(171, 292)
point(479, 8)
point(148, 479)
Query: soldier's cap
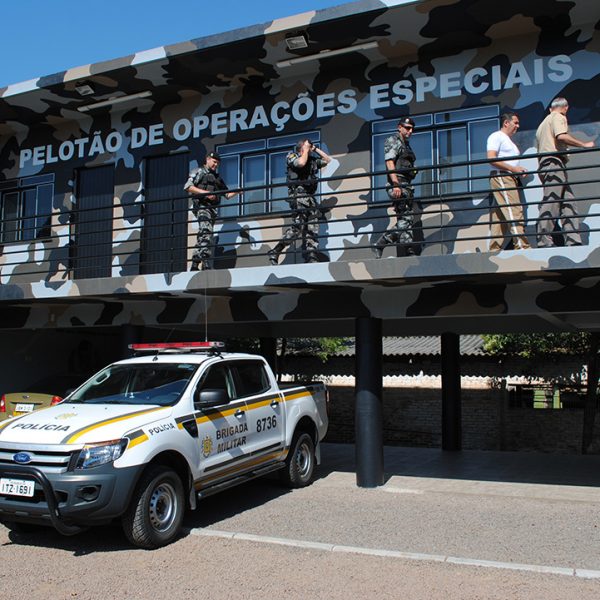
point(214, 155)
point(406, 121)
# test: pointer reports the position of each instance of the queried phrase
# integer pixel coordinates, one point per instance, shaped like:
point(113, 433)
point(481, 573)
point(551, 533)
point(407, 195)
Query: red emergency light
point(176, 346)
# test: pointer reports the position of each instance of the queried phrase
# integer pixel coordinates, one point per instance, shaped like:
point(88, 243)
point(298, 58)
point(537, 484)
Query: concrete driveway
point(443, 527)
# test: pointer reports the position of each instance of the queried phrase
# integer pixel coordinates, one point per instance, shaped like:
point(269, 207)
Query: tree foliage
point(322, 348)
point(531, 345)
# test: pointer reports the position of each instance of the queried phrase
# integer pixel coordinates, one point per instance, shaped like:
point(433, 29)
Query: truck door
point(222, 430)
point(266, 412)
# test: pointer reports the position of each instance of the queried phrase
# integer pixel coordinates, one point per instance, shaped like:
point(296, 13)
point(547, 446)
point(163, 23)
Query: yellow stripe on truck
point(200, 484)
point(85, 430)
point(297, 395)
point(138, 440)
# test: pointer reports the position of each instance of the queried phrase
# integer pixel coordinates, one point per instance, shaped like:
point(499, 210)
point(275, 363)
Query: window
point(250, 378)
point(256, 164)
point(218, 377)
point(137, 384)
point(25, 208)
point(448, 139)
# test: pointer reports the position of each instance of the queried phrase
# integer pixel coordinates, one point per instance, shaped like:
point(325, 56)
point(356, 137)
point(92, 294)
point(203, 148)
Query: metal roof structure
point(422, 345)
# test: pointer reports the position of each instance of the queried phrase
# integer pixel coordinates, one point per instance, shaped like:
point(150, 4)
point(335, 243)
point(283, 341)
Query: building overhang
point(472, 293)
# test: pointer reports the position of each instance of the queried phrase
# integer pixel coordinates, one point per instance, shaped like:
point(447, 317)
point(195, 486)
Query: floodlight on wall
point(296, 42)
point(326, 54)
point(83, 88)
point(113, 101)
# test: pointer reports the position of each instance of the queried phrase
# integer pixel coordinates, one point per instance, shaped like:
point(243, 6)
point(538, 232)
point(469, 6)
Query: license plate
point(17, 487)
point(24, 408)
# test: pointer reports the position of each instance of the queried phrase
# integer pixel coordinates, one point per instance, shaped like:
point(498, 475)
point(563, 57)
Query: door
point(222, 430)
point(266, 412)
point(164, 239)
point(93, 219)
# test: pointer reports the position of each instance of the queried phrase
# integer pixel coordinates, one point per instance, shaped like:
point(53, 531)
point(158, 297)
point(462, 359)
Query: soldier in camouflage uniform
point(201, 185)
point(303, 164)
point(400, 162)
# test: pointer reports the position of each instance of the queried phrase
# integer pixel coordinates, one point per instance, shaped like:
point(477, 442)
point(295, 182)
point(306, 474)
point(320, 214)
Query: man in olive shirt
point(558, 203)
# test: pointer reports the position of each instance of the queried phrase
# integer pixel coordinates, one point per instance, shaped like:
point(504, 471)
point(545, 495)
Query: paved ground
point(529, 509)
point(448, 526)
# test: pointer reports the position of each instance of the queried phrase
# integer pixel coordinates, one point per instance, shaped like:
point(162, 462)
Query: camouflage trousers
point(203, 250)
point(305, 224)
point(558, 205)
point(402, 231)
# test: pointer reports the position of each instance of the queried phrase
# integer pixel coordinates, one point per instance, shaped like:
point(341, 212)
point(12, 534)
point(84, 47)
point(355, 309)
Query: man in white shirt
point(507, 215)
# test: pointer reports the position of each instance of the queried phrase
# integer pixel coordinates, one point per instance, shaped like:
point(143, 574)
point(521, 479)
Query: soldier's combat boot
point(379, 246)
point(195, 266)
point(274, 253)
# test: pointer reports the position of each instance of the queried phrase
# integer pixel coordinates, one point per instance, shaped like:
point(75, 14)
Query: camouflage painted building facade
point(95, 229)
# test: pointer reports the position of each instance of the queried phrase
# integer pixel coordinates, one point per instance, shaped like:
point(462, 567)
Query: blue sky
point(42, 37)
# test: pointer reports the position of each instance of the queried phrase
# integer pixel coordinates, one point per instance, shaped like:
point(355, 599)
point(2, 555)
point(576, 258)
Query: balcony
point(109, 260)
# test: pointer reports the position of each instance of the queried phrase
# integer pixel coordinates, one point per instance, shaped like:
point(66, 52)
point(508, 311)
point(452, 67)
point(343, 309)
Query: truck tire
point(300, 462)
point(155, 513)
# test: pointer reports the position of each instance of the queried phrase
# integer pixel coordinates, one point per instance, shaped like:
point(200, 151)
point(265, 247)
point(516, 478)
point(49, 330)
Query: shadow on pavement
point(513, 467)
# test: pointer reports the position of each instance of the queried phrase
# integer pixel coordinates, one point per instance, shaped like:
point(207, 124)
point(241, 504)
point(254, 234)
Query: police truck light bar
point(176, 346)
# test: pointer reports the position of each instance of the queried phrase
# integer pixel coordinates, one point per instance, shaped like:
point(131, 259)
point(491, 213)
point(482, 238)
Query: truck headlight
point(94, 455)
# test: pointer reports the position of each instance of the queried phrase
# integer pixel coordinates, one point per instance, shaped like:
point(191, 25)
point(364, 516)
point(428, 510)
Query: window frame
point(267, 147)
point(434, 125)
point(21, 188)
point(238, 379)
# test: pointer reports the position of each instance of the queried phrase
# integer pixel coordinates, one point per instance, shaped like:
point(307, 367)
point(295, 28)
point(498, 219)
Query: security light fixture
point(114, 100)
point(326, 54)
point(83, 88)
point(296, 42)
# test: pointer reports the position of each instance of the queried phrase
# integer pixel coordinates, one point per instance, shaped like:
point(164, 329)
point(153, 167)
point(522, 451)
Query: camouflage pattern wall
point(419, 58)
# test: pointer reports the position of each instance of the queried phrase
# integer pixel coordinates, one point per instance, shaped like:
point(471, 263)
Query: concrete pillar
point(368, 412)
point(268, 349)
point(451, 401)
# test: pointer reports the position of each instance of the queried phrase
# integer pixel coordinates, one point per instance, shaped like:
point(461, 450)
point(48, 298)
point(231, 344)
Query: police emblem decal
point(207, 445)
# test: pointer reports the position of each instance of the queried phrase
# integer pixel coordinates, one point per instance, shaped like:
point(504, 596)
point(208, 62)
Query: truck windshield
point(160, 384)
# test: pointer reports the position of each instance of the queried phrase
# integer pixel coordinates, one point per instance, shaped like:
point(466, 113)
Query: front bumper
point(71, 500)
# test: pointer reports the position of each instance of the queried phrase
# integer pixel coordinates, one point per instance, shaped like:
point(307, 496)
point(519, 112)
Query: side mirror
point(208, 398)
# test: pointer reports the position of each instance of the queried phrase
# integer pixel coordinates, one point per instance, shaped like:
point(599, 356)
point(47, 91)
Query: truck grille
point(50, 459)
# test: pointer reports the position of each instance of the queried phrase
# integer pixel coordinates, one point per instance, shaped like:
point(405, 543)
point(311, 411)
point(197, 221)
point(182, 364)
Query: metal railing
point(350, 222)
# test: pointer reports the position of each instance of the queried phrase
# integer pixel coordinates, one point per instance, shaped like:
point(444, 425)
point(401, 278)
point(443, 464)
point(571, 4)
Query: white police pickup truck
point(147, 436)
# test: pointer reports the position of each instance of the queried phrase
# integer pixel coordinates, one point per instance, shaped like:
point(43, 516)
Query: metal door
point(93, 220)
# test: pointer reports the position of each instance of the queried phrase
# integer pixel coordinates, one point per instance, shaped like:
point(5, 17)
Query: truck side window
point(218, 377)
point(251, 378)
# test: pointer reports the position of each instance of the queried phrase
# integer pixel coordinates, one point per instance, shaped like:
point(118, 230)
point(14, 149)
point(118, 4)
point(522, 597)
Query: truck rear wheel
point(300, 462)
point(155, 514)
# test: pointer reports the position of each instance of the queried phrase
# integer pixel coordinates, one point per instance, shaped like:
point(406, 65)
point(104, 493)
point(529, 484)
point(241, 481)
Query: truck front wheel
point(155, 514)
point(300, 462)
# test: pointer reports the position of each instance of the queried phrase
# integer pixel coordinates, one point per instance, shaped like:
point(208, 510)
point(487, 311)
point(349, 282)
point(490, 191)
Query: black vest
point(405, 162)
point(305, 176)
point(209, 180)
